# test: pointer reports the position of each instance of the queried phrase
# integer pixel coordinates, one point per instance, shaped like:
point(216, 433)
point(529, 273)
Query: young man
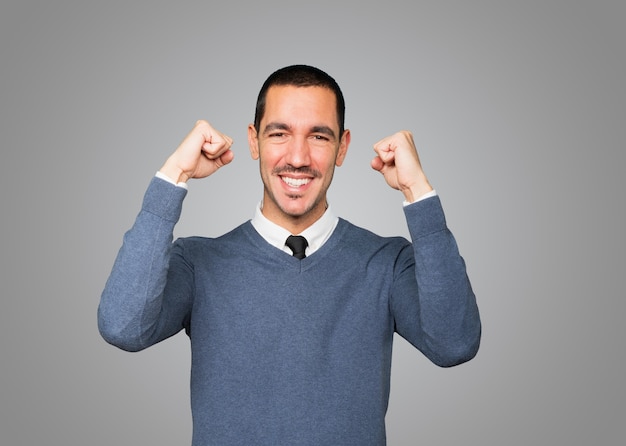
point(292, 349)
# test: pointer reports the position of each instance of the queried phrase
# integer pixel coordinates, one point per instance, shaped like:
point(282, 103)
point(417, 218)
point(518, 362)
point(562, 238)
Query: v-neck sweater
point(287, 351)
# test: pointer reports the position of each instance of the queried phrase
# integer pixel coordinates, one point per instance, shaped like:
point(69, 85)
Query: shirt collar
point(275, 235)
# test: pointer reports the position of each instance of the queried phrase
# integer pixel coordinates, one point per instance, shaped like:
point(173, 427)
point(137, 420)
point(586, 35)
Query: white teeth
point(296, 182)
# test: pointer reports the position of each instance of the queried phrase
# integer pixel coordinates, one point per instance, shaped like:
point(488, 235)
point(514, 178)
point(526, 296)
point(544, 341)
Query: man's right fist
point(201, 153)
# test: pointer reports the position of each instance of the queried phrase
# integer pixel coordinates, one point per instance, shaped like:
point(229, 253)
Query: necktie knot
point(297, 244)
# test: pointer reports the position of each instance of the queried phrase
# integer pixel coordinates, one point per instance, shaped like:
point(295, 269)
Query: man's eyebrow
point(270, 127)
point(323, 129)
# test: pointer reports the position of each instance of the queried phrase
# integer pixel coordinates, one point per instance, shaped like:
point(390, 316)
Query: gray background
point(518, 109)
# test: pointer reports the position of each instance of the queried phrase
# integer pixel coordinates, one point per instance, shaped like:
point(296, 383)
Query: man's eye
point(277, 135)
point(320, 137)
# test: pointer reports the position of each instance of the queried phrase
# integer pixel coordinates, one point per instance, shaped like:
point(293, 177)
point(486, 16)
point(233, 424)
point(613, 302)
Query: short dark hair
point(301, 76)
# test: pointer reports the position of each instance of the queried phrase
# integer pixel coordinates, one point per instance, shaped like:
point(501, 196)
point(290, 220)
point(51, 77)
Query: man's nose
point(299, 152)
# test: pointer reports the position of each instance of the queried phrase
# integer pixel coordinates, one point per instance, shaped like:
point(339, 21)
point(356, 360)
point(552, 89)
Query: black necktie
point(297, 244)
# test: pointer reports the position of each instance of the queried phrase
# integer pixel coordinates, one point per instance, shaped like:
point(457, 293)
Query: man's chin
point(295, 213)
point(296, 209)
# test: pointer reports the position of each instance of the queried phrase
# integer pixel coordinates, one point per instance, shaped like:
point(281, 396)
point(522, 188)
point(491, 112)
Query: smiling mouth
point(295, 182)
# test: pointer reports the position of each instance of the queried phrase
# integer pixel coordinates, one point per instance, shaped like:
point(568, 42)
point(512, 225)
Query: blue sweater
point(288, 351)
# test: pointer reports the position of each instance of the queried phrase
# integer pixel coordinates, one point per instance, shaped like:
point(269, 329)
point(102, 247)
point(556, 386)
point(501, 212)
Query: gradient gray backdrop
point(518, 109)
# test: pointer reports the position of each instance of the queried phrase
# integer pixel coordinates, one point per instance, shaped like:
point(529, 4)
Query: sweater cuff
point(425, 217)
point(164, 199)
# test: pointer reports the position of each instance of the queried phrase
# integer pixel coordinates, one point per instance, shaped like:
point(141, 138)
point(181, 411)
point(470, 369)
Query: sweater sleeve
point(433, 303)
point(136, 308)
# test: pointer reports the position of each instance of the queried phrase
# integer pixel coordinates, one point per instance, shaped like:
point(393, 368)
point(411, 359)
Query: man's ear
point(253, 142)
point(343, 148)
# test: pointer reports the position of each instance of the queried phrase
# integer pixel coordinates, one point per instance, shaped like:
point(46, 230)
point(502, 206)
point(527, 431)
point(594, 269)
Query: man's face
point(298, 146)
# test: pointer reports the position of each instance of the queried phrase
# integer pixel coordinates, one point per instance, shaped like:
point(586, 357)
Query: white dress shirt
point(316, 234)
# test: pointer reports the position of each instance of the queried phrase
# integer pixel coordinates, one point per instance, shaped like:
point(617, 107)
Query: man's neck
point(295, 224)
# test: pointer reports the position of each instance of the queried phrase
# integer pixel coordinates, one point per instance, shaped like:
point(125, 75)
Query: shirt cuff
point(169, 180)
point(432, 193)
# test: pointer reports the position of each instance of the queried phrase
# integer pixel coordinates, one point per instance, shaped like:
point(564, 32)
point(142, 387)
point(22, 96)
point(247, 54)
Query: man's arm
point(134, 312)
point(432, 301)
point(148, 294)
